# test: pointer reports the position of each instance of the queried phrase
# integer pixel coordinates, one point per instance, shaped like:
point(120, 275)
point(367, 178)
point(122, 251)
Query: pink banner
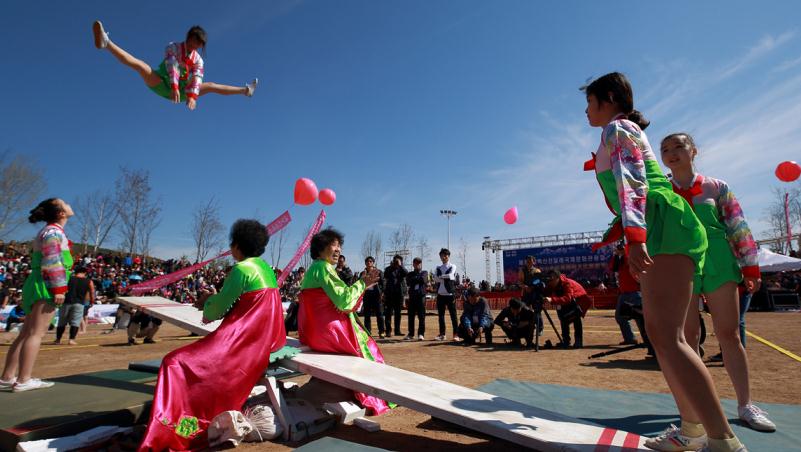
point(303, 248)
point(157, 283)
point(279, 223)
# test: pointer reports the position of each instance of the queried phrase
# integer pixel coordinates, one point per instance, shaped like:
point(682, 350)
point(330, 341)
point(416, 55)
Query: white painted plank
point(503, 418)
point(496, 416)
point(182, 315)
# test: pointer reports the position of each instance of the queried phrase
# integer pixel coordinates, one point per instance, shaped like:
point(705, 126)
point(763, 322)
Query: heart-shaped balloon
point(510, 217)
point(327, 196)
point(305, 191)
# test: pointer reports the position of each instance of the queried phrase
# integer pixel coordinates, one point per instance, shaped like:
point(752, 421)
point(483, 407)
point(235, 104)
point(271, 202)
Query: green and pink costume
point(327, 321)
point(732, 251)
point(51, 263)
point(216, 374)
point(181, 71)
point(641, 197)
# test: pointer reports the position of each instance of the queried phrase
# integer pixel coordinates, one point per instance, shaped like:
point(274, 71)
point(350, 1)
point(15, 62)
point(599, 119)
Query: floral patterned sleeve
point(54, 272)
point(737, 231)
point(195, 76)
point(632, 187)
point(171, 63)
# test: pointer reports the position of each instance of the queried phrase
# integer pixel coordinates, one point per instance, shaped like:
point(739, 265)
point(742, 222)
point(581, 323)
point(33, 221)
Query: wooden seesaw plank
point(178, 314)
point(496, 416)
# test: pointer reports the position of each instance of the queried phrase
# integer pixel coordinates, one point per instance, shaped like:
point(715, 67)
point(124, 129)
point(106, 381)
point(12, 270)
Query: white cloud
point(765, 46)
point(787, 64)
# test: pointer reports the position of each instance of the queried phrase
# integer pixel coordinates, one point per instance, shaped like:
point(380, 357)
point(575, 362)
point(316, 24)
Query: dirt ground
point(774, 376)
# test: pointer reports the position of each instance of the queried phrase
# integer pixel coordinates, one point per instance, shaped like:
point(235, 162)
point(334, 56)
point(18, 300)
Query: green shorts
point(164, 89)
point(35, 290)
point(673, 227)
point(720, 267)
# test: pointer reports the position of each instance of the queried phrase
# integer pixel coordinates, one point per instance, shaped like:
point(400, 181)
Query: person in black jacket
point(517, 321)
point(343, 271)
point(394, 275)
point(417, 283)
point(372, 303)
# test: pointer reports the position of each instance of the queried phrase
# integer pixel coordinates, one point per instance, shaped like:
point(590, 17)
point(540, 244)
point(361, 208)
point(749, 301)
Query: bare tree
point(137, 211)
point(21, 185)
point(97, 215)
point(206, 228)
point(401, 238)
point(150, 221)
point(80, 206)
point(775, 215)
point(371, 245)
point(276, 245)
point(461, 254)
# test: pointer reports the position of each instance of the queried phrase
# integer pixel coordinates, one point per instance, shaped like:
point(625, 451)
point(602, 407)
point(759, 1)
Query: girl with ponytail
point(43, 291)
point(666, 244)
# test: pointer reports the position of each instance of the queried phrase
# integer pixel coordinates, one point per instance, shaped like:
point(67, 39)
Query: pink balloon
point(305, 191)
point(327, 196)
point(510, 217)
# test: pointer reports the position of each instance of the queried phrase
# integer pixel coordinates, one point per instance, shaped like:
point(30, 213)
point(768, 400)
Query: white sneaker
point(251, 87)
point(101, 37)
point(31, 384)
point(6, 385)
point(756, 418)
point(441, 337)
point(672, 440)
point(421, 338)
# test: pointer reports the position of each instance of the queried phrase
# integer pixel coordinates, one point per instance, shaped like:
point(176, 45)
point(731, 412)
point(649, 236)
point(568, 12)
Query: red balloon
point(788, 171)
point(327, 196)
point(305, 191)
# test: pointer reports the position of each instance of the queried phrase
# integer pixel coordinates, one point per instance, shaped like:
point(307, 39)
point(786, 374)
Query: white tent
point(773, 262)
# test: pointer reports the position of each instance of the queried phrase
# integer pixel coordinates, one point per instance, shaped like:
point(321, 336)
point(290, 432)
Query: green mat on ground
point(133, 376)
point(74, 404)
point(329, 444)
point(646, 413)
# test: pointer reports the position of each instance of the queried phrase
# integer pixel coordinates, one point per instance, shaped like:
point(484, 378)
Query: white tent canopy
point(774, 262)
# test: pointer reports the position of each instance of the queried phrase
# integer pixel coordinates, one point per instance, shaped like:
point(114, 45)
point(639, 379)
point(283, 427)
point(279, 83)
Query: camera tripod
point(538, 309)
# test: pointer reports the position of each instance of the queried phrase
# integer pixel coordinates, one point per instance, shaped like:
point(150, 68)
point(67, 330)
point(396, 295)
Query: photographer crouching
point(571, 301)
point(517, 322)
point(476, 318)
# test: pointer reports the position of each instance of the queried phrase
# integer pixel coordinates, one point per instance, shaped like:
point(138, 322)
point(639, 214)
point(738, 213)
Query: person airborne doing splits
point(179, 77)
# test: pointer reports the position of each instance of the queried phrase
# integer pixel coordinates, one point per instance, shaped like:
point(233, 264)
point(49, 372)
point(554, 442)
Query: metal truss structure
point(498, 246)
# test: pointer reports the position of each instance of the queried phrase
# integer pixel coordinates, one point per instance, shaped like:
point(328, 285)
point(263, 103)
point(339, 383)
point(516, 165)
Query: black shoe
point(149, 341)
point(398, 333)
point(716, 358)
point(578, 346)
point(563, 345)
point(131, 341)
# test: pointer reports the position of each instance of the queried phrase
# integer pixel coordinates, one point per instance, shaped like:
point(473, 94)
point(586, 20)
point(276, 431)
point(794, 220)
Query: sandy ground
point(774, 376)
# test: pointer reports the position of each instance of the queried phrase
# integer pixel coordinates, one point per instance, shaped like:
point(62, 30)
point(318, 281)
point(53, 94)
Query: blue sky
point(403, 108)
